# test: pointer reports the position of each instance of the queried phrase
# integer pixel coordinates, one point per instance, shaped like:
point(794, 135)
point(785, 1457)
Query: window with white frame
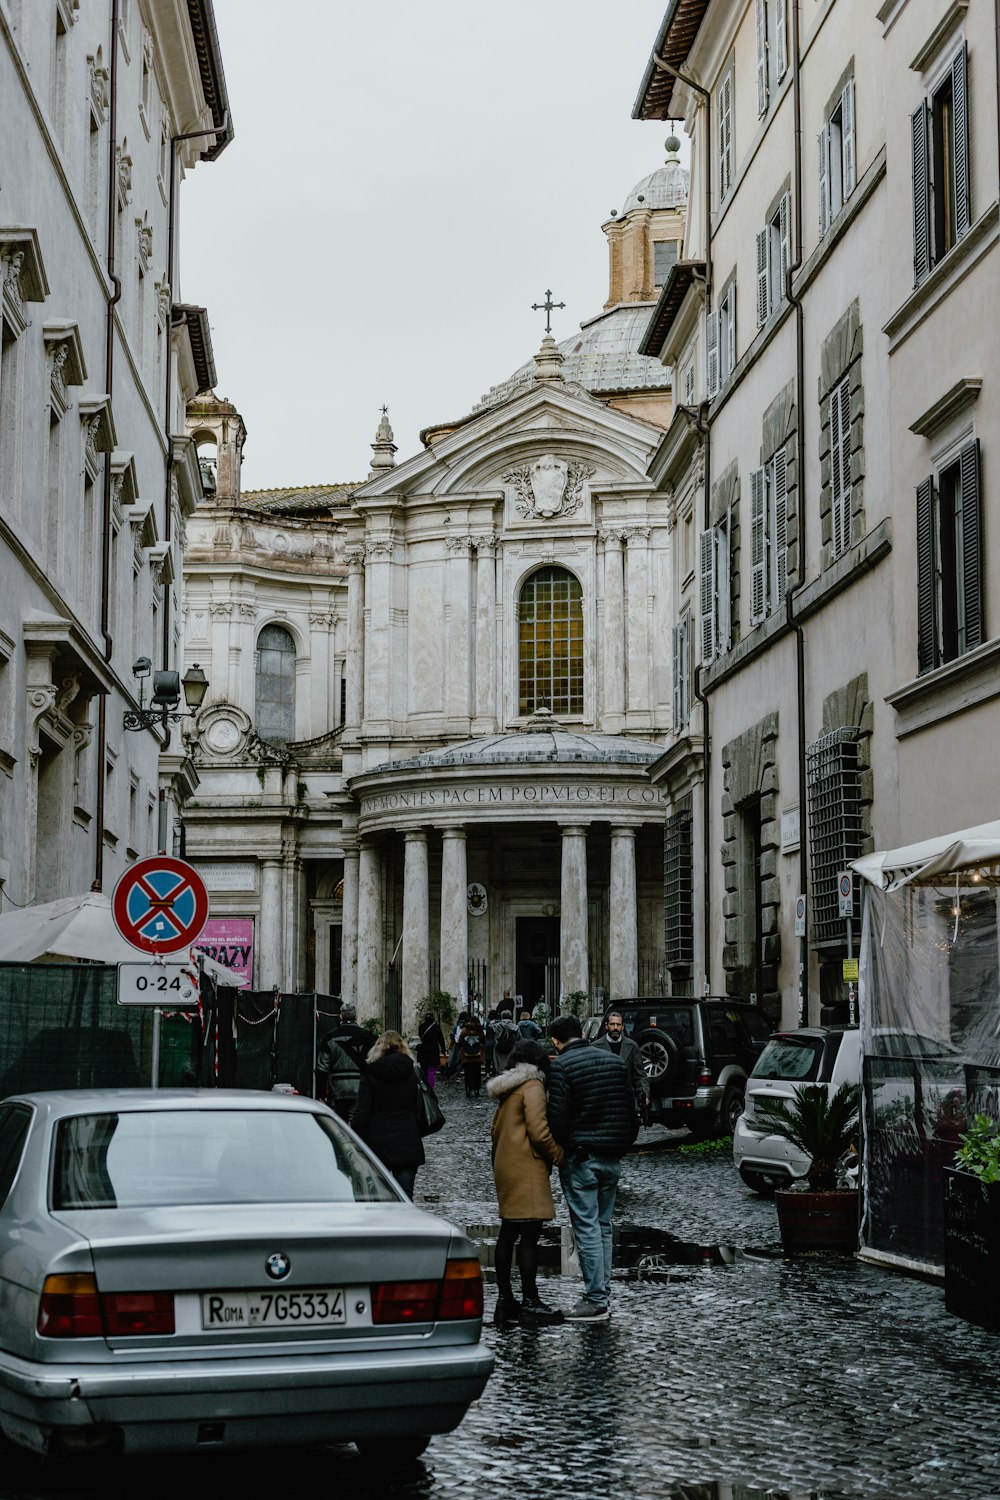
point(772, 48)
point(837, 170)
point(768, 537)
point(715, 590)
point(720, 341)
point(773, 258)
point(724, 112)
point(942, 198)
point(949, 561)
point(840, 464)
point(688, 383)
point(681, 642)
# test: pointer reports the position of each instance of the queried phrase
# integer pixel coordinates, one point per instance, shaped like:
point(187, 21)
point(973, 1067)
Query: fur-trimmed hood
point(505, 1083)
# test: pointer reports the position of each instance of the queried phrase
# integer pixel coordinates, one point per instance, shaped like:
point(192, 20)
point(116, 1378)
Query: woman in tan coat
point(524, 1151)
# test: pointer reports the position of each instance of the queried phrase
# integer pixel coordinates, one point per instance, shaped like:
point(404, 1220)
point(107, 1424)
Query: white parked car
point(824, 1055)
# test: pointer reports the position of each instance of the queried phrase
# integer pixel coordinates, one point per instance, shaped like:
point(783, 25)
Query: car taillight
point(462, 1290)
point(405, 1301)
point(704, 1077)
point(137, 1312)
point(72, 1308)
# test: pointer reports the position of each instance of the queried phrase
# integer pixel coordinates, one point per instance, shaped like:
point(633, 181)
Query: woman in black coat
point(385, 1116)
point(431, 1049)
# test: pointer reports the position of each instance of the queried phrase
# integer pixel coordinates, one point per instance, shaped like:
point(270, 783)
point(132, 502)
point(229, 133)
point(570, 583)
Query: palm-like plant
point(820, 1125)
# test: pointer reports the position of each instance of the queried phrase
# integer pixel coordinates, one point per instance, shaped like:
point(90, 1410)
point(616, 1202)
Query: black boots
point(537, 1314)
point(507, 1313)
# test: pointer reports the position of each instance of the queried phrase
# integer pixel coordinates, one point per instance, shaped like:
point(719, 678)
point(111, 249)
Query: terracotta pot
point(818, 1221)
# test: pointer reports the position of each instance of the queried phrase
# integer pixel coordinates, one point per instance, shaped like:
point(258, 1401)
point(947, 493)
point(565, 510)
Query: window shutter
point(758, 549)
point(921, 193)
point(824, 180)
point(780, 38)
point(761, 56)
point(836, 474)
point(960, 104)
point(784, 242)
point(972, 561)
point(675, 639)
point(712, 353)
point(926, 633)
point(707, 582)
point(763, 290)
point(779, 529)
point(731, 330)
point(723, 587)
point(725, 134)
point(847, 139)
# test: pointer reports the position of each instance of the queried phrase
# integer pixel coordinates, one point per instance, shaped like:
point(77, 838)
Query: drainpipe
point(109, 366)
point(800, 467)
point(706, 98)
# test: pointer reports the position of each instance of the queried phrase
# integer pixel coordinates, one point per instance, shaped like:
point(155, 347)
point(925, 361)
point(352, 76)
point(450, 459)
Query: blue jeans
point(589, 1186)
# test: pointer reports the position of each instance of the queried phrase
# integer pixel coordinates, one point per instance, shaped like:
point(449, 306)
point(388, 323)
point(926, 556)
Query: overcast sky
point(407, 178)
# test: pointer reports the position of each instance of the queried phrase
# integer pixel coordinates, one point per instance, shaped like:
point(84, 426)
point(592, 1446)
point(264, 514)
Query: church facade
point(435, 695)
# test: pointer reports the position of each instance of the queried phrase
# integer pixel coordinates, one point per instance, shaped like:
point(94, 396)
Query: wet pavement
point(725, 1373)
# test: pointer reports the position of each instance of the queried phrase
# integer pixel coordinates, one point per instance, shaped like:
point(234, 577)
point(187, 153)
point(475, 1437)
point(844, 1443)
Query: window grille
point(550, 627)
point(834, 829)
point(678, 871)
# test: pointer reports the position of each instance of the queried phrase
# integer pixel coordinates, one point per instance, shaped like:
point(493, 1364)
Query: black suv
point(698, 1054)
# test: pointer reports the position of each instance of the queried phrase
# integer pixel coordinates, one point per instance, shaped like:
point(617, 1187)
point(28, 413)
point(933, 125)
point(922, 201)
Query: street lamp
point(164, 706)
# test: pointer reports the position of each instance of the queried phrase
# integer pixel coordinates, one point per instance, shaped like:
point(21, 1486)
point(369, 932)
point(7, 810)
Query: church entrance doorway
point(537, 962)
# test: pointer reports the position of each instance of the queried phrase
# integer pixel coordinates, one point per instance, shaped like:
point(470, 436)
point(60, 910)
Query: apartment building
point(826, 467)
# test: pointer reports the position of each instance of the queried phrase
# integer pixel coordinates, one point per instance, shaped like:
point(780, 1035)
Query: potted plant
point(823, 1126)
point(972, 1226)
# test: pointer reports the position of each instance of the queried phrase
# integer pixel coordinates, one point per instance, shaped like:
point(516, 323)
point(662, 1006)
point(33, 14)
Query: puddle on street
point(640, 1253)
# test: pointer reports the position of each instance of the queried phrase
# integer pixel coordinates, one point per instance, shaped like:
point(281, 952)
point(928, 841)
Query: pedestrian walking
point(505, 1038)
point(472, 1055)
point(386, 1114)
point(431, 1049)
point(339, 1061)
point(524, 1152)
point(528, 1029)
point(592, 1116)
point(454, 1062)
point(618, 1044)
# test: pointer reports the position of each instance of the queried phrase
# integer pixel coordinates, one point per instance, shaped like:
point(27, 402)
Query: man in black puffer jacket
point(592, 1115)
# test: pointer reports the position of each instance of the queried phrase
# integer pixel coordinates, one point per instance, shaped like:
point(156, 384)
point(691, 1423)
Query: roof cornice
point(673, 44)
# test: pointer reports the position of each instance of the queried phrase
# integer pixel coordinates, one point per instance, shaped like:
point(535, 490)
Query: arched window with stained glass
point(275, 685)
point(550, 643)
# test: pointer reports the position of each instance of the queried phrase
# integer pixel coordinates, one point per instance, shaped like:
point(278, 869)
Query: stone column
point(454, 913)
point(486, 635)
point(355, 636)
point(370, 995)
point(574, 948)
point(416, 927)
point(457, 631)
point(614, 632)
point(637, 632)
point(349, 937)
point(623, 917)
point(377, 690)
point(271, 935)
point(318, 685)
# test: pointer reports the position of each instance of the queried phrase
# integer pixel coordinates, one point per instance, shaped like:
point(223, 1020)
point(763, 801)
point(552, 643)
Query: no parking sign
point(160, 904)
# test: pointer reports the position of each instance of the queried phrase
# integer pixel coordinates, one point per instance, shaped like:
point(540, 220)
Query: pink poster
point(229, 940)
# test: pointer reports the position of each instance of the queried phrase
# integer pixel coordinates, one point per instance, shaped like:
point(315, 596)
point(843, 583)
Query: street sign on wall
point(160, 904)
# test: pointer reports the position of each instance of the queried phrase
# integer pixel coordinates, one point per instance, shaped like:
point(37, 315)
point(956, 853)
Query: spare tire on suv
point(661, 1058)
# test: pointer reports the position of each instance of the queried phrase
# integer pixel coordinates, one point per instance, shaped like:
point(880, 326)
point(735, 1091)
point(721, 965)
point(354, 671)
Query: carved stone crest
point(549, 487)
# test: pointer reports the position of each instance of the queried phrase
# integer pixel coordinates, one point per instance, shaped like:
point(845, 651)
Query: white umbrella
point(77, 927)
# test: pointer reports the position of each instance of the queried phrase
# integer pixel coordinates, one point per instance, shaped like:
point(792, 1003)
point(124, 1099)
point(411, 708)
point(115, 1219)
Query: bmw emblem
point(277, 1266)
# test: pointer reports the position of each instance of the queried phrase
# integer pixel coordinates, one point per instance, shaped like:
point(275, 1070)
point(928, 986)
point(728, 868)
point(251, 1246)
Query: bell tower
point(219, 433)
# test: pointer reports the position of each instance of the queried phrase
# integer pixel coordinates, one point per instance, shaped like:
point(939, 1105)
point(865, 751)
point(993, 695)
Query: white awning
point(969, 848)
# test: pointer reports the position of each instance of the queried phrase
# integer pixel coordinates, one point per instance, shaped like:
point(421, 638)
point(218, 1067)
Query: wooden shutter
point(960, 105)
point(726, 134)
point(836, 474)
point(972, 557)
point(712, 352)
point(758, 547)
point(780, 38)
point(920, 130)
point(723, 587)
point(784, 244)
point(778, 538)
point(675, 639)
point(926, 613)
point(731, 330)
point(824, 181)
point(763, 280)
point(707, 587)
point(761, 56)
point(847, 153)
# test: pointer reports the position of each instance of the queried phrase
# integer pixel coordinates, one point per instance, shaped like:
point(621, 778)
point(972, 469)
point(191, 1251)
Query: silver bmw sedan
point(195, 1269)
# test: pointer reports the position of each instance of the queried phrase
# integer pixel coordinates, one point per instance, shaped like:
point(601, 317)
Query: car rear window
point(677, 1019)
point(793, 1057)
point(168, 1158)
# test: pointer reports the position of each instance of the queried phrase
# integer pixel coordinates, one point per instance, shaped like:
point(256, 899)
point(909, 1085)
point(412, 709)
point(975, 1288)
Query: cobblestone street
point(730, 1378)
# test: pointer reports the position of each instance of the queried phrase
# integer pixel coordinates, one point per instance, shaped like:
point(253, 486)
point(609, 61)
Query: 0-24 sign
point(167, 986)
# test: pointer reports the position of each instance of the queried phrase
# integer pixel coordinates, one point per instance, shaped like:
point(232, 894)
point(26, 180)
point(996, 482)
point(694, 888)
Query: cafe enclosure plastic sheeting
point(929, 991)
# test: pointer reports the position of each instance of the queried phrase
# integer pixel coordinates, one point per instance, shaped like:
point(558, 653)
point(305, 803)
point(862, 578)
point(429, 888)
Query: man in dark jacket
point(338, 1062)
point(618, 1044)
point(592, 1115)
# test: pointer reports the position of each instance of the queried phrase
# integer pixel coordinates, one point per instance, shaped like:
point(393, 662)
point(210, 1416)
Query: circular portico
point(512, 856)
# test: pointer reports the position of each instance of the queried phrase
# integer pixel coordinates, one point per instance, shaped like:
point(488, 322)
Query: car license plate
point(315, 1307)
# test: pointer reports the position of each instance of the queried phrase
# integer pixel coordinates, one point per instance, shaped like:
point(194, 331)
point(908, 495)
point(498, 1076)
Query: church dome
point(667, 187)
